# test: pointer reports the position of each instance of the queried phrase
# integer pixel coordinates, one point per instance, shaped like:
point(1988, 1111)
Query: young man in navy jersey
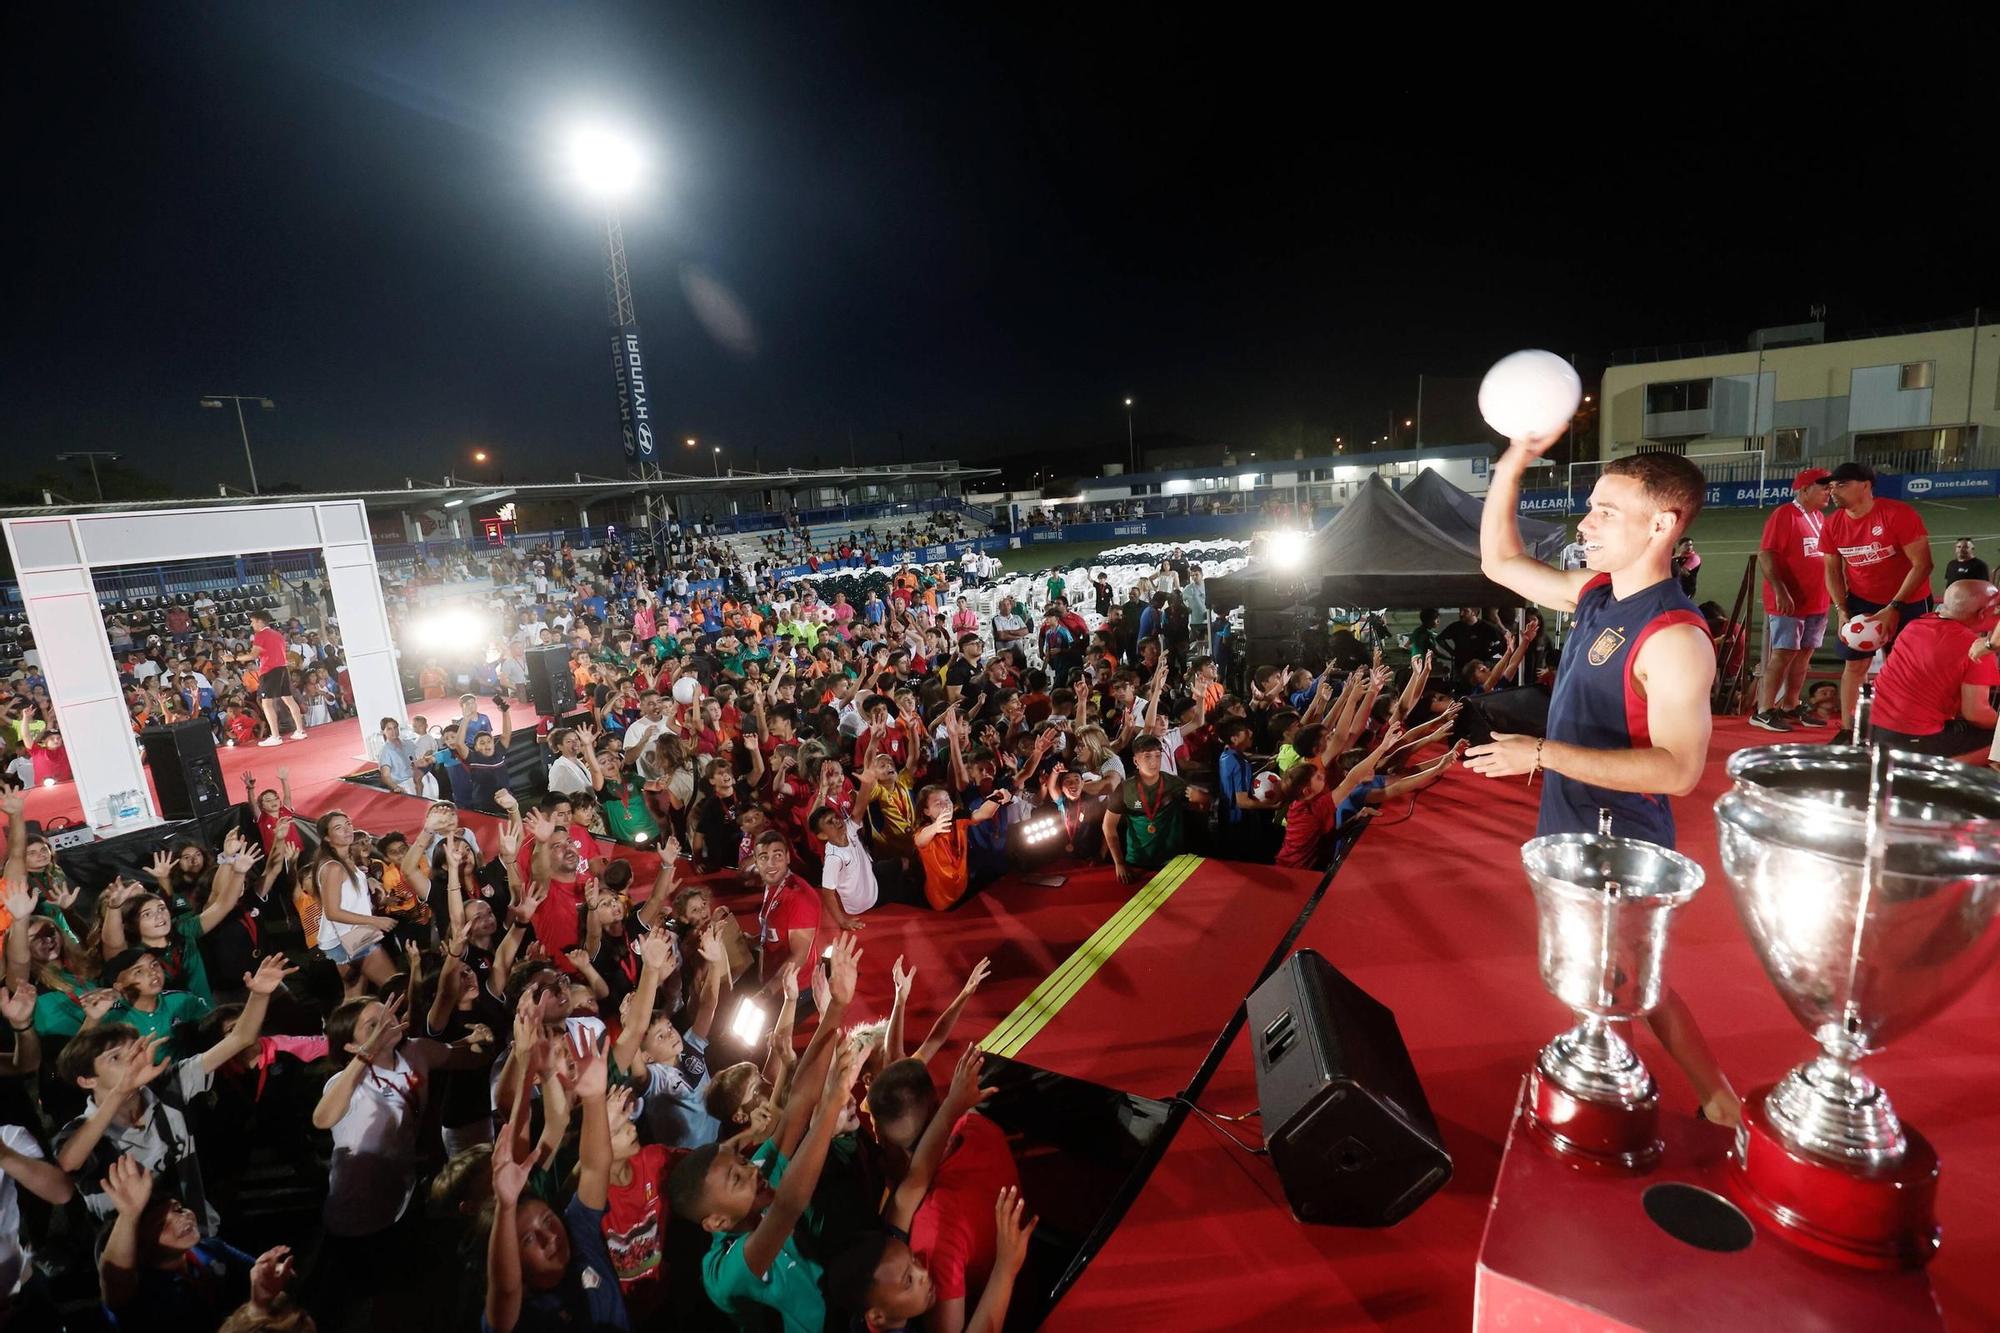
point(1629, 717)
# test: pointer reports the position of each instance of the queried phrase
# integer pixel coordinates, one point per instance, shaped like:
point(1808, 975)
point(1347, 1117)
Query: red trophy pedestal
point(1593, 1135)
point(1884, 1220)
point(1568, 1249)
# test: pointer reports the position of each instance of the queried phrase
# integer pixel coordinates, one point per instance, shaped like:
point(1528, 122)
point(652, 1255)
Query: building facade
point(1918, 401)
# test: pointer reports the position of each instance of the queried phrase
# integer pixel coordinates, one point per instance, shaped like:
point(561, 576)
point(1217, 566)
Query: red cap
point(1811, 476)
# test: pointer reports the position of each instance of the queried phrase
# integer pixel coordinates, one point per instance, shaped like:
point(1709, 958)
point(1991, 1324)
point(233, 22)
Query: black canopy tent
point(1377, 552)
point(1456, 514)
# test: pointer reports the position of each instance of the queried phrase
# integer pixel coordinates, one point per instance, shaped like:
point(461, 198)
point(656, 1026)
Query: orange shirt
point(944, 866)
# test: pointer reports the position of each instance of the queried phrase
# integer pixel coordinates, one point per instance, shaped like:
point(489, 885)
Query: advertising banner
point(635, 407)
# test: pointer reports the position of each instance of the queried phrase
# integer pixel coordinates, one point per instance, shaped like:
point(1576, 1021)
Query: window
point(1678, 396)
point(1917, 374)
point(1788, 445)
point(1677, 447)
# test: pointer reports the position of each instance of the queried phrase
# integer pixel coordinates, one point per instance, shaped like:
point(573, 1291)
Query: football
point(1861, 634)
point(1265, 786)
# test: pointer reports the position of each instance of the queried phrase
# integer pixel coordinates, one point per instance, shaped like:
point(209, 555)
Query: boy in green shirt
point(752, 1206)
point(1144, 823)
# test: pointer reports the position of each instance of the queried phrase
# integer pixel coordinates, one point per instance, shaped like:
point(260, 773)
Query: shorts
point(1790, 633)
point(337, 952)
point(1861, 606)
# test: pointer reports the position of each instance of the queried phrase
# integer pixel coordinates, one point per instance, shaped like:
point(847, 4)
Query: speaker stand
point(1575, 1249)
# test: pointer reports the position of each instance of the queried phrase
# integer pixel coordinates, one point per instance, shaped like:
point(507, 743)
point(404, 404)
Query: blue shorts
point(1790, 633)
point(1861, 606)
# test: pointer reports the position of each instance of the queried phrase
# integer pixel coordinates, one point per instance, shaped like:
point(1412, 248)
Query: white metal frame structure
point(56, 555)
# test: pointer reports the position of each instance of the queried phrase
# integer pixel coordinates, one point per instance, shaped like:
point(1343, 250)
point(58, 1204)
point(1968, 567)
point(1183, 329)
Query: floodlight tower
point(608, 167)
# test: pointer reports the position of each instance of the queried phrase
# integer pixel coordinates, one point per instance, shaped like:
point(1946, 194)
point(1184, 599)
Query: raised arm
point(794, 1193)
point(940, 1032)
point(807, 1079)
point(268, 977)
point(964, 1094)
point(1502, 557)
point(1675, 668)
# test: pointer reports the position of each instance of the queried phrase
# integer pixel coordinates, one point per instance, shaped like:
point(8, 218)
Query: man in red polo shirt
point(1795, 603)
point(1931, 695)
point(789, 922)
point(1878, 564)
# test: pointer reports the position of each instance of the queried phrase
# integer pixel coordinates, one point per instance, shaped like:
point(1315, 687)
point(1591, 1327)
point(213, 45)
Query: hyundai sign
point(635, 409)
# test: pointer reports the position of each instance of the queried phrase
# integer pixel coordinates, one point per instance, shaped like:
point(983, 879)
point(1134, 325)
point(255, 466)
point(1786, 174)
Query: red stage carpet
point(1434, 917)
point(316, 764)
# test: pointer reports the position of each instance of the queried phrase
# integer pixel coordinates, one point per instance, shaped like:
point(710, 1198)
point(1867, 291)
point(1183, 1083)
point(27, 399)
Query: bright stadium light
point(450, 627)
point(1287, 549)
point(604, 163)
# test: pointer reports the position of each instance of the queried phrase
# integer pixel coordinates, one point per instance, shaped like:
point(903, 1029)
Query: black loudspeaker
point(413, 685)
point(551, 688)
point(1345, 1119)
point(186, 776)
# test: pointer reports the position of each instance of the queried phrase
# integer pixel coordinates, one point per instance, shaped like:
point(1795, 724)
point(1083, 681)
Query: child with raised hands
point(672, 1068)
point(156, 1271)
point(903, 980)
point(937, 1244)
point(753, 1206)
point(125, 1115)
point(547, 1269)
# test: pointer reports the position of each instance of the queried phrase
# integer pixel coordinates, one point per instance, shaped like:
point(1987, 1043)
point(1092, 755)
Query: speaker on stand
point(551, 688)
point(187, 777)
point(1345, 1119)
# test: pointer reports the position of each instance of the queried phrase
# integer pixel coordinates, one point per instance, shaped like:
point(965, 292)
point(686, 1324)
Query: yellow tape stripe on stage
point(1043, 1003)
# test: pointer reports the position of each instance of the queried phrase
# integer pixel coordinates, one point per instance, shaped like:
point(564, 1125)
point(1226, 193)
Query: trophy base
point(1621, 1138)
point(1883, 1219)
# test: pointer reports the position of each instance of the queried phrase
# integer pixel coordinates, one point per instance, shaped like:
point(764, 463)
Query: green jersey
point(791, 1285)
point(1153, 821)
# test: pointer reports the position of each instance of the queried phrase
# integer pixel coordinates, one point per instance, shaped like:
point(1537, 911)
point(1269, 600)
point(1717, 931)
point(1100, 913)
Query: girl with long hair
point(348, 931)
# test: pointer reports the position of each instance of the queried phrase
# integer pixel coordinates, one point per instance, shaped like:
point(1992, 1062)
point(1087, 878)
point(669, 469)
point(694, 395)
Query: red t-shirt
point(635, 1229)
point(1871, 548)
point(270, 647)
point(1308, 824)
point(790, 905)
point(243, 730)
point(1917, 690)
point(1792, 536)
point(267, 828)
point(555, 921)
point(952, 1231)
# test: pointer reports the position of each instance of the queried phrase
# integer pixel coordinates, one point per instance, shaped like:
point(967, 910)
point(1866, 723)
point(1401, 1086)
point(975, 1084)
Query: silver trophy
point(1869, 884)
point(1604, 905)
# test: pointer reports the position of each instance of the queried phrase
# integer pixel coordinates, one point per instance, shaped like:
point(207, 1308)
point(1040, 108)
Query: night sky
point(946, 233)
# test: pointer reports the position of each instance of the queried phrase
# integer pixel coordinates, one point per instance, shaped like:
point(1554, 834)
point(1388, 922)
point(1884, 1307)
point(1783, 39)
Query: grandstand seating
point(146, 616)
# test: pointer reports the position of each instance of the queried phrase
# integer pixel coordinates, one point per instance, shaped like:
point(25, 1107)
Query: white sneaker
point(298, 735)
point(272, 740)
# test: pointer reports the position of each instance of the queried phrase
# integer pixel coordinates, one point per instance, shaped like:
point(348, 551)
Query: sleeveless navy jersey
point(1597, 704)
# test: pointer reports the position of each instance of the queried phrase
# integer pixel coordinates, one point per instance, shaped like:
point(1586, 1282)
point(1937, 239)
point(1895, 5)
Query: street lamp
point(1131, 452)
point(479, 455)
point(91, 456)
point(690, 441)
point(718, 458)
point(218, 399)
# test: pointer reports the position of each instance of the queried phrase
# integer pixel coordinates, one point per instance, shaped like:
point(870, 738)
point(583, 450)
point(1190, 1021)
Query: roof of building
point(586, 489)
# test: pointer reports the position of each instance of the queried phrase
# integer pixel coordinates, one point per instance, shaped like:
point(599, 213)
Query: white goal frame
point(1699, 460)
point(56, 556)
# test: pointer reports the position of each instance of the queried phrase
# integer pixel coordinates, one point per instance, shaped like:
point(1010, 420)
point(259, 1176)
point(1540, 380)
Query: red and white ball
point(1266, 786)
point(1862, 634)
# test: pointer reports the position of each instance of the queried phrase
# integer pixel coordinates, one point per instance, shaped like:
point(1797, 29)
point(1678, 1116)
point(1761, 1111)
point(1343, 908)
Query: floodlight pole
point(243, 427)
point(618, 305)
point(91, 456)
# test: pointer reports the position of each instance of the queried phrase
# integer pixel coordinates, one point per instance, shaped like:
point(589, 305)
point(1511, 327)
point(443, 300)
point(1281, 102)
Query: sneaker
point(299, 735)
point(1842, 737)
point(1805, 717)
point(271, 740)
point(1770, 720)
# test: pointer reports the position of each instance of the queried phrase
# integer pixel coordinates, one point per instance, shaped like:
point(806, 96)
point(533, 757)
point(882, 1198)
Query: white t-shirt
point(849, 873)
point(373, 1171)
point(1169, 744)
point(14, 1255)
point(568, 776)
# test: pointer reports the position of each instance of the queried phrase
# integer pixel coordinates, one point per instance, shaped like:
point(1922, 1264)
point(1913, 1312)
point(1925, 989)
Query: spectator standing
point(1877, 555)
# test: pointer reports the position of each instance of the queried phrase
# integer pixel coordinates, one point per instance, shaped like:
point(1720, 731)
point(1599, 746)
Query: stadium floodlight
point(604, 163)
point(1287, 548)
point(218, 399)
